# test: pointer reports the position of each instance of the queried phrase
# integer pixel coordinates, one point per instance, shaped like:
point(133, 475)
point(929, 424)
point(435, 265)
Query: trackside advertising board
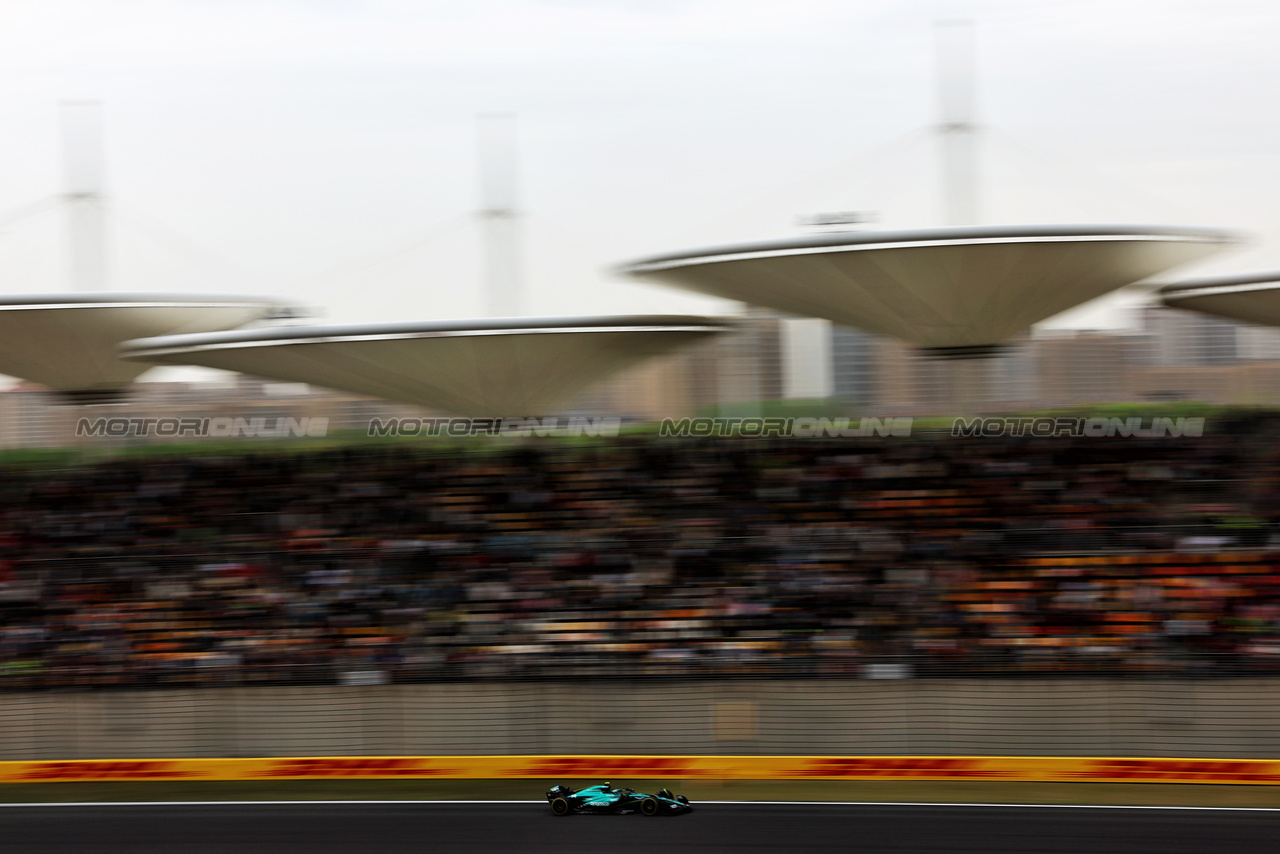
point(1012, 769)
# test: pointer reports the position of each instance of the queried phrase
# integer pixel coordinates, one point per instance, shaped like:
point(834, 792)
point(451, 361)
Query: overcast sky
point(287, 147)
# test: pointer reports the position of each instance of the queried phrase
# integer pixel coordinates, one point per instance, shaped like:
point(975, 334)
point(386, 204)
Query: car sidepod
point(603, 805)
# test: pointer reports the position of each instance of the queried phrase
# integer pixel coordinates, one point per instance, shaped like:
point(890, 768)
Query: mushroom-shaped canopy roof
point(1250, 297)
point(946, 288)
point(68, 342)
point(507, 367)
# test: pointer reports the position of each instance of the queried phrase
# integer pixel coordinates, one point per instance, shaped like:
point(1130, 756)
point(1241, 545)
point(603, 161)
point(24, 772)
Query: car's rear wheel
point(560, 807)
point(649, 806)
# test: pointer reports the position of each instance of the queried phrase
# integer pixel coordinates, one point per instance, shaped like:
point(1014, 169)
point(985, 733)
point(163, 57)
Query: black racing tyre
point(649, 806)
point(559, 807)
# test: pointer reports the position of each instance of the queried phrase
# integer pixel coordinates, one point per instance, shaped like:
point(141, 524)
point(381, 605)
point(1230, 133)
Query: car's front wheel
point(559, 806)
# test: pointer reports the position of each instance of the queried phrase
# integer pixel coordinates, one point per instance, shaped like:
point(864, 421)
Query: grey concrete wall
point(1226, 718)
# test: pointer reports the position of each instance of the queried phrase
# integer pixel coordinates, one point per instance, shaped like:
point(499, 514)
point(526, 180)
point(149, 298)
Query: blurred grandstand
point(941, 556)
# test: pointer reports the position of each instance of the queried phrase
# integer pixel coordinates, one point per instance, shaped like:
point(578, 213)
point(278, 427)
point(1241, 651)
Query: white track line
point(694, 804)
point(997, 806)
point(249, 803)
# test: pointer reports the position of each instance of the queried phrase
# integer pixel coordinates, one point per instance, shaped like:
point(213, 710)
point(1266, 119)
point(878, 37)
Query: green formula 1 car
point(615, 800)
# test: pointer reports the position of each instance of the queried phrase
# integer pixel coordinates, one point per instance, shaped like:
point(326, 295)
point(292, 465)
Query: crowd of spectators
point(932, 555)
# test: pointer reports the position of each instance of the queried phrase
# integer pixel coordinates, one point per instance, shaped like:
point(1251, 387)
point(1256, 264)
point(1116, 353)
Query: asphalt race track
point(520, 827)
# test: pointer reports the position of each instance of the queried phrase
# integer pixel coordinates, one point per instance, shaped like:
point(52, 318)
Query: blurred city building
point(1172, 356)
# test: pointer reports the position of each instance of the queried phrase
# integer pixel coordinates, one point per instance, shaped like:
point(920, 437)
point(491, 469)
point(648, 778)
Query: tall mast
point(500, 218)
point(82, 155)
point(955, 68)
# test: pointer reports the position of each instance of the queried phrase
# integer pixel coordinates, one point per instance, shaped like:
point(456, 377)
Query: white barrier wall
point(1209, 718)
